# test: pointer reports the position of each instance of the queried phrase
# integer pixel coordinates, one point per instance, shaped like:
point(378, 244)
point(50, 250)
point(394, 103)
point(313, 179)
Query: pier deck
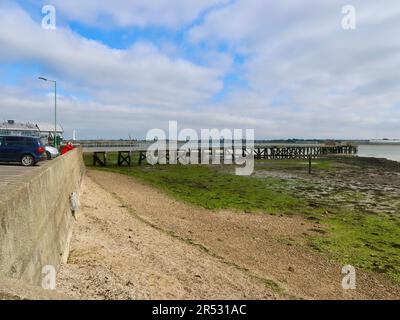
point(264, 151)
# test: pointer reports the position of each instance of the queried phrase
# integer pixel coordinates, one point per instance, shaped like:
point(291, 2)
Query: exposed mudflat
point(369, 185)
point(134, 242)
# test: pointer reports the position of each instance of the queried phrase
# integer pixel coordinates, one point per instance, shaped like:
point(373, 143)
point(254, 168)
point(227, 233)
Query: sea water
point(391, 152)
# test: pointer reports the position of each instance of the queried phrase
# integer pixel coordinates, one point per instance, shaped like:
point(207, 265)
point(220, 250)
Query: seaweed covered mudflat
point(357, 199)
point(353, 202)
point(368, 185)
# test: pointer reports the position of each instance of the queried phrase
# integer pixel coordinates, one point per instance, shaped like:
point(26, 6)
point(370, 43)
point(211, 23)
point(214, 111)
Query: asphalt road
point(10, 174)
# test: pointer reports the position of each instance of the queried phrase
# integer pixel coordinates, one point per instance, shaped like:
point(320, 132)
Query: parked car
point(52, 152)
point(26, 150)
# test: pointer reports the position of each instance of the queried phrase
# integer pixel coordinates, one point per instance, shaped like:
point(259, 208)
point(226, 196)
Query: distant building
point(43, 130)
point(19, 129)
point(47, 132)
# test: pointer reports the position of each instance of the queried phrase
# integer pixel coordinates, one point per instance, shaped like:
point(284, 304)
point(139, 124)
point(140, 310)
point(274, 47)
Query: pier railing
point(262, 151)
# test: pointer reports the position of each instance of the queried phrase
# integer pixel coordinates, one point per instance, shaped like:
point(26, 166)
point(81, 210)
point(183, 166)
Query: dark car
point(26, 150)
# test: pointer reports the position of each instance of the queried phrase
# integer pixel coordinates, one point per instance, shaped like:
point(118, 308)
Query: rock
point(291, 269)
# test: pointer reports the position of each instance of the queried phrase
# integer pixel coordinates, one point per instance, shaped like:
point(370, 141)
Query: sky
point(287, 69)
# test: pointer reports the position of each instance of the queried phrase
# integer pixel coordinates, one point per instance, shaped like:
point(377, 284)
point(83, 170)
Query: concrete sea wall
point(36, 219)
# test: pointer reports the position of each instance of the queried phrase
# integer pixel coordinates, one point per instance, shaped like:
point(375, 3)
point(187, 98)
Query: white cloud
point(305, 76)
point(298, 57)
point(140, 13)
point(139, 75)
point(102, 120)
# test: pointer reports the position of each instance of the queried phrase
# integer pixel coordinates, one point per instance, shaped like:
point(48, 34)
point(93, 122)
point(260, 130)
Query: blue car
point(28, 151)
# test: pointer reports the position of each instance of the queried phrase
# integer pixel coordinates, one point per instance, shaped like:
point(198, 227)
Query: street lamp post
point(55, 108)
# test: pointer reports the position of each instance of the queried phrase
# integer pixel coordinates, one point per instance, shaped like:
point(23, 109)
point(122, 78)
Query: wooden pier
point(267, 152)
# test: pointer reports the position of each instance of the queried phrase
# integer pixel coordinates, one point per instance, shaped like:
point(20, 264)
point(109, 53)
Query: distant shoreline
point(378, 144)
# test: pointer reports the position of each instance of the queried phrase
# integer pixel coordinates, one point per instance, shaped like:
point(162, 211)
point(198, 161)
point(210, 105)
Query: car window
point(33, 142)
point(17, 141)
point(12, 141)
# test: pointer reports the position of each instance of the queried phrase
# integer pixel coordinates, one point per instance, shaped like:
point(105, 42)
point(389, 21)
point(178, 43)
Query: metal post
point(55, 108)
point(55, 114)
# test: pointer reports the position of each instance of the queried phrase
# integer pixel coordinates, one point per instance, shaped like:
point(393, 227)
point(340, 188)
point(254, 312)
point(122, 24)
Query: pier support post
point(142, 156)
point(124, 157)
point(101, 161)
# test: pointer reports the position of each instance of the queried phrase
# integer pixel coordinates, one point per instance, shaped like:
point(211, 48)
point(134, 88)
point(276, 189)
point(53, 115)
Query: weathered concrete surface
point(11, 174)
point(36, 219)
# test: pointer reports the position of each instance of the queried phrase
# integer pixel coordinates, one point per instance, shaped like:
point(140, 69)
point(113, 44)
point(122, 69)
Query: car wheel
point(48, 155)
point(27, 160)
